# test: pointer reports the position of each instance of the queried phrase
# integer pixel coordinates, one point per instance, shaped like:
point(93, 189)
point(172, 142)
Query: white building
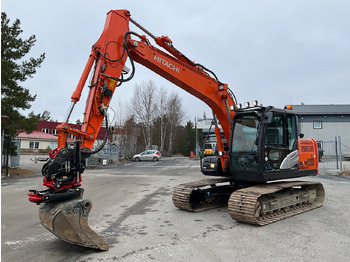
point(37, 140)
point(324, 123)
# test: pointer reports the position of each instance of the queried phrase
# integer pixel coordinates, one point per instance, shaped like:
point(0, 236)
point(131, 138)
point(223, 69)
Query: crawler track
point(202, 195)
point(259, 205)
point(247, 205)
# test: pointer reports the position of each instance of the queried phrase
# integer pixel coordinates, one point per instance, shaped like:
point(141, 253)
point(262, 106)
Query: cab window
point(244, 148)
point(280, 140)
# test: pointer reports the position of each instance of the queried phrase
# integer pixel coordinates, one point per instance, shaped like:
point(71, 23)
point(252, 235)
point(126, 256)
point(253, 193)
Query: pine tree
point(14, 71)
point(187, 139)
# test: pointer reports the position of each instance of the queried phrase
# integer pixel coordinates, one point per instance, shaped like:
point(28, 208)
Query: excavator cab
point(265, 146)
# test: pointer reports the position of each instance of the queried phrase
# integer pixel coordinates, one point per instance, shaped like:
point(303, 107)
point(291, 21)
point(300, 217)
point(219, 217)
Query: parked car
point(152, 155)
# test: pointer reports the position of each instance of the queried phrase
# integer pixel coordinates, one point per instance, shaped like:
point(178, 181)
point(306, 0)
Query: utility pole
point(195, 130)
point(7, 155)
point(340, 154)
point(336, 152)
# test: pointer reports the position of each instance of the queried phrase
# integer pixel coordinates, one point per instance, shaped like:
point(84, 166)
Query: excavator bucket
point(68, 220)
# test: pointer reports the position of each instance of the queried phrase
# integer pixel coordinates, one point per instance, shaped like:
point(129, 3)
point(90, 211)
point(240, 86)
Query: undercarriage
point(260, 204)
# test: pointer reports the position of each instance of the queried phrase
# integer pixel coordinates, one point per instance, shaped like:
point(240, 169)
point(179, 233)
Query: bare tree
point(162, 115)
point(175, 116)
point(144, 108)
point(130, 133)
point(123, 134)
point(121, 114)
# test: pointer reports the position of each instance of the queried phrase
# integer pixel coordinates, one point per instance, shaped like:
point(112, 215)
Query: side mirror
point(267, 118)
point(301, 135)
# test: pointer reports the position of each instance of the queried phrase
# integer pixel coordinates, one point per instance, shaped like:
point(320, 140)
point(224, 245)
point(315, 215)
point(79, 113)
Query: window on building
point(54, 132)
point(53, 145)
point(45, 130)
point(34, 145)
point(71, 136)
point(317, 124)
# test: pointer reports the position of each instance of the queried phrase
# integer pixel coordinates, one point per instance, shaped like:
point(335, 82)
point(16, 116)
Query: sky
point(278, 52)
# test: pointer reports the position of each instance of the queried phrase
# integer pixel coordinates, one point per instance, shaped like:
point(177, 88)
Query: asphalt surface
point(133, 211)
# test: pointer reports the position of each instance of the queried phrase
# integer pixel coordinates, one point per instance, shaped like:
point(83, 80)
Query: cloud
point(274, 51)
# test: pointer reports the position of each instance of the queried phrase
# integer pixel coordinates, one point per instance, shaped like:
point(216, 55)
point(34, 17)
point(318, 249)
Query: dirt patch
point(17, 172)
point(345, 172)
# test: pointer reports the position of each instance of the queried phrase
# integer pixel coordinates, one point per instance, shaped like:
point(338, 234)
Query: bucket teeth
point(68, 220)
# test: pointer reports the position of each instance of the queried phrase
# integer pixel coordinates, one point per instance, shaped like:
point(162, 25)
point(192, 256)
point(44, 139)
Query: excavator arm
point(62, 174)
point(107, 63)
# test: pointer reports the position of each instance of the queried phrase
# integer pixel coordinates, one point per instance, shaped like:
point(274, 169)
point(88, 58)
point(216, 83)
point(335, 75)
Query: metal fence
point(6, 159)
point(109, 155)
point(333, 152)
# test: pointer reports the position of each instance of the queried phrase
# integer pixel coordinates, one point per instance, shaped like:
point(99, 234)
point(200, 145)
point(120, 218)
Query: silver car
point(152, 155)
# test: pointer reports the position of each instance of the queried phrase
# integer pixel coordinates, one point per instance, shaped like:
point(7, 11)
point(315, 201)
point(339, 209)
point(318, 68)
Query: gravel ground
point(133, 211)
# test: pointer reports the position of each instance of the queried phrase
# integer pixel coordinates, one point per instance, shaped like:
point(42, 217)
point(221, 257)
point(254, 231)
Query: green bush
point(46, 150)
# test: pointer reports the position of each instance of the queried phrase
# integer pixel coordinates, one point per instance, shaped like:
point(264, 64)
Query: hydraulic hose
point(105, 138)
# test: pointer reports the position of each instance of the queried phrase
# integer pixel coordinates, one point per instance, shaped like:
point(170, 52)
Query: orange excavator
point(259, 144)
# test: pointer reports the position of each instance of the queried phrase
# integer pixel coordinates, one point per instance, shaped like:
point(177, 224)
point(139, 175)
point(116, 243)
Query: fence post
point(336, 151)
point(340, 154)
point(7, 155)
point(3, 148)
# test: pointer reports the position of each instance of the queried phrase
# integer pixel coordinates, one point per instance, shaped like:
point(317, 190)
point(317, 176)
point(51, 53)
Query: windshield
point(207, 146)
point(244, 147)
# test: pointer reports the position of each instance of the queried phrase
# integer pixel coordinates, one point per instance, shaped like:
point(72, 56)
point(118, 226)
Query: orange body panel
point(308, 154)
point(109, 57)
point(110, 44)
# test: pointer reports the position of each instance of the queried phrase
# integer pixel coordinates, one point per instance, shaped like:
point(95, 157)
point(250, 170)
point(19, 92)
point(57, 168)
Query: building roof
point(322, 109)
point(37, 135)
point(51, 125)
point(41, 136)
point(54, 124)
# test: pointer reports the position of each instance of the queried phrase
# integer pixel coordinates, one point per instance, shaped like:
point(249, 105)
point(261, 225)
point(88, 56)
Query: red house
point(46, 136)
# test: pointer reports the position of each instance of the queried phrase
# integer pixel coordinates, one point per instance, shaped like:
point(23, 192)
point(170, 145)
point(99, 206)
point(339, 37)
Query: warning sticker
point(112, 83)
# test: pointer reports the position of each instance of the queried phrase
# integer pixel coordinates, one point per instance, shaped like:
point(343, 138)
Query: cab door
point(280, 142)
